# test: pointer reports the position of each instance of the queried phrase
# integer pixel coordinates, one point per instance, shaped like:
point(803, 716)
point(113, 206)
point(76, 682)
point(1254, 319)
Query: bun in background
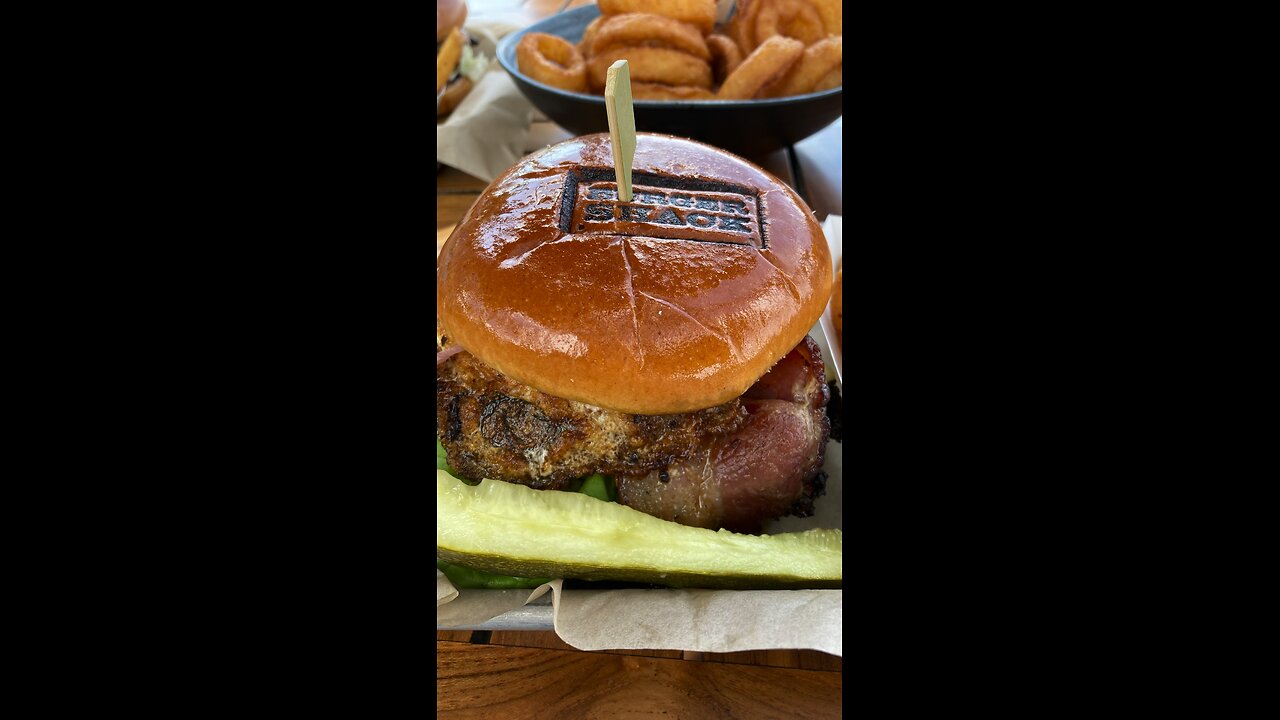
point(450, 14)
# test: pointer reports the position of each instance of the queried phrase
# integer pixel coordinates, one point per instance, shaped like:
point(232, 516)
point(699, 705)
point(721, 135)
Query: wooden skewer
point(622, 124)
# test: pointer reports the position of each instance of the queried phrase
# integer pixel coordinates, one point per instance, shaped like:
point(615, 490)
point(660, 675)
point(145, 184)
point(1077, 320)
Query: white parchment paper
point(444, 590)
point(701, 620)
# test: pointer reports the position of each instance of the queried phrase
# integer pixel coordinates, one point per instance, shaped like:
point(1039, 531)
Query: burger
point(458, 63)
point(659, 341)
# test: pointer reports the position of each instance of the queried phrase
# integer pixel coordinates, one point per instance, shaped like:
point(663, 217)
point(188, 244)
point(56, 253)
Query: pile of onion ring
point(769, 48)
point(552, 61)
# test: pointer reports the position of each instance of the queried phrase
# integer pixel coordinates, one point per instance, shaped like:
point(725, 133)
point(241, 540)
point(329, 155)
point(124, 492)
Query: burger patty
point(494, 427)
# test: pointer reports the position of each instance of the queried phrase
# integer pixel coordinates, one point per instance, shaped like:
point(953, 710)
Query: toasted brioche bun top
point(673, 303)
point(450, 14)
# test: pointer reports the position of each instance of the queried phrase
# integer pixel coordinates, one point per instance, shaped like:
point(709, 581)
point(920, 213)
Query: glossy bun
point(450, 14)
point(675, 302)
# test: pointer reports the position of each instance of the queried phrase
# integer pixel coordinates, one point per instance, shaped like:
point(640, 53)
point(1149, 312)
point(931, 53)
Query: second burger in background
point(458, 63)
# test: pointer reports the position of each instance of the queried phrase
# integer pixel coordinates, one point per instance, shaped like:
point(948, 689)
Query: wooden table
point(535, 674)
point(514, 674)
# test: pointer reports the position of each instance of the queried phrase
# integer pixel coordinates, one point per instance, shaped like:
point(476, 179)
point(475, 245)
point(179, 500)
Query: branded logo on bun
point(662, 207)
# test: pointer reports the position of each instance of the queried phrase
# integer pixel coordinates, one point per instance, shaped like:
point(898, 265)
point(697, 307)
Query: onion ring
point(833, 79)
point(832, 15)
point(447, 58)
point(658, 91)
point(552, 61)
point(650, 64)
point(793, 18)
point(699, 13)
point(765, 64)
point(635, 29)
point(740, 27)
point(726, 56)
point(817, 61)
point(589, 34)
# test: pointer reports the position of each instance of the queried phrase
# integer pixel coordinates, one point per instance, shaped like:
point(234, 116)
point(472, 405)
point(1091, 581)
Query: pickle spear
point(510, 529)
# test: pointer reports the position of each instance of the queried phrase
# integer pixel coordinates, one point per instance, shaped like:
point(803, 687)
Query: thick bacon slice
point(768, 468)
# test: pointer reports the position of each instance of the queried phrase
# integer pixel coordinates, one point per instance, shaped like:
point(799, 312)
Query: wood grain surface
point(501, 681)
point(456, 192)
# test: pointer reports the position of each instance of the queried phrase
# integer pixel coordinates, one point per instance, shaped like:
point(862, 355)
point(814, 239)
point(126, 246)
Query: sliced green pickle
point(510, 529)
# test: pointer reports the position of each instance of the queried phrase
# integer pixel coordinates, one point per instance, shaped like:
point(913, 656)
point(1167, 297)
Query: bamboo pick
point(622, 124)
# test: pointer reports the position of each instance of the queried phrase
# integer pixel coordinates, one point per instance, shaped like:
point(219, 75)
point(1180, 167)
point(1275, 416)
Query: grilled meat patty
point(494, 427)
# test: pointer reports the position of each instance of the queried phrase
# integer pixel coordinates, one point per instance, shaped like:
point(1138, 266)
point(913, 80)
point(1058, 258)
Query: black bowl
point(746, 127)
